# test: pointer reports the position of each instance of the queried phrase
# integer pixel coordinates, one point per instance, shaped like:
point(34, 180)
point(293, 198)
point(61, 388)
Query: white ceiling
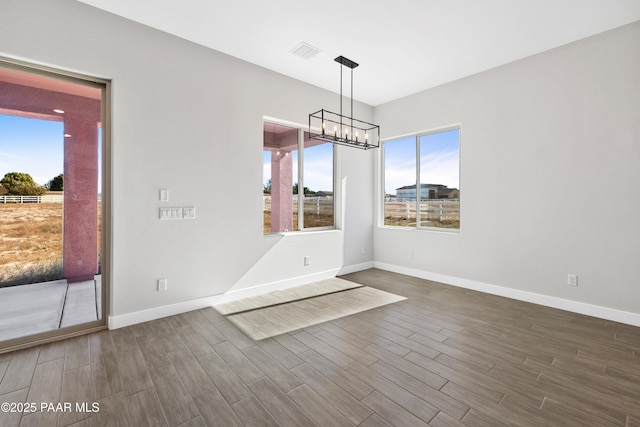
point(402, 46)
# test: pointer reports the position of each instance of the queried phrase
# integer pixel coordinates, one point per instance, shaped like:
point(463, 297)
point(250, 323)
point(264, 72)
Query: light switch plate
point(170, 213)
point(164, 195)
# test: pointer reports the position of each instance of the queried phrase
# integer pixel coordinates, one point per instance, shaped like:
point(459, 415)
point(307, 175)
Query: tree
point(21, 184)
point(267, 187)
point(3, 190)
point(55, 184)
point(304, 189)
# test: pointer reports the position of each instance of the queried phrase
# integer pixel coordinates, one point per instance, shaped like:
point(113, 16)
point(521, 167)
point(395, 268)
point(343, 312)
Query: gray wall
point(550, 182)
point(189, 119)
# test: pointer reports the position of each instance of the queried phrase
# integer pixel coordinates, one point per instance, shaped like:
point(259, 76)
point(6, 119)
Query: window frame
point(300, 211)
point(416, 136)
point(105, 164)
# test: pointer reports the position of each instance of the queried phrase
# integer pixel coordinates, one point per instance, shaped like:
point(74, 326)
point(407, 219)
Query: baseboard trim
point(115, 322)
point(347, 269)
point(128, 319)
point(601, 312)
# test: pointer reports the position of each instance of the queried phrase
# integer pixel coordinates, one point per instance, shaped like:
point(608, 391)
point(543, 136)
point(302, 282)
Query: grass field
point(311, 220)
point(30, 242)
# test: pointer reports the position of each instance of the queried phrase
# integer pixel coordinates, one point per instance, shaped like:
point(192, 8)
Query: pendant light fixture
point(337, 128)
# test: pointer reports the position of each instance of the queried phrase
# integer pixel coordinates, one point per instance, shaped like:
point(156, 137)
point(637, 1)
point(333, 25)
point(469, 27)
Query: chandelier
point(337, 128)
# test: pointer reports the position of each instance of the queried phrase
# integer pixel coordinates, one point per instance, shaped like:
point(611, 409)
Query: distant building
point(428, 191)
point(322, 194)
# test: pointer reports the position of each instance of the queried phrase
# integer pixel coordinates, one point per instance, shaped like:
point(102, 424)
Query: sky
point(439, 160)
point(318, 167)
point(35, 147)
point(31, 146)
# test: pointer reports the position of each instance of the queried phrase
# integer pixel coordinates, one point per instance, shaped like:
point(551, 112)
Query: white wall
point(550, 177)
point(550, 154)
point(189, 119)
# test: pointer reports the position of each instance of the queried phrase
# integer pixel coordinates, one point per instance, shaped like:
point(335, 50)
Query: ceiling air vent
point(305, 51)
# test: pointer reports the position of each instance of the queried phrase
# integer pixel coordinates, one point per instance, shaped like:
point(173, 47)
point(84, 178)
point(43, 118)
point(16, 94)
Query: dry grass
point(310, 219)
point(30, 242)
point(401, 221)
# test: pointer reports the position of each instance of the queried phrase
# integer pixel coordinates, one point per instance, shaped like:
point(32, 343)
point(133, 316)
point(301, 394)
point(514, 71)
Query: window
point(422, 180)
point(297, 180)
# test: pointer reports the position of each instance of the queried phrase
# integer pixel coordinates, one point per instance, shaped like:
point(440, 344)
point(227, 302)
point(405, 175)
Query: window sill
point(423, 229)
point(303, 232)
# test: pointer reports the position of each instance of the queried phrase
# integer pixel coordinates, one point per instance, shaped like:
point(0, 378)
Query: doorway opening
point(53, 204)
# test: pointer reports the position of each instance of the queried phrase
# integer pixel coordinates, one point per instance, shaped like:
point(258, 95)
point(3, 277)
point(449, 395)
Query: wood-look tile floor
point(443, 357)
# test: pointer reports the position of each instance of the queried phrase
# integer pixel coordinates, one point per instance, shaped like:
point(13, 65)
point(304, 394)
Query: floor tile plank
point(225, 379)
point(76, 388)
point(12, 418)
point(349, 406)
point(106, 375)
point(241, 365)
point(46, 382)
point(317, 408)
point(133, 371)
point(412, 403)
point(215, 411)
point(252, 413)
point(20, 370)
point(194, 378)
point(328, 352)
point(391, 412)
point(177, 405)
point(339, 376)
point(280, 353)
point(272, 369)
point(283, 410)
point(145, 409)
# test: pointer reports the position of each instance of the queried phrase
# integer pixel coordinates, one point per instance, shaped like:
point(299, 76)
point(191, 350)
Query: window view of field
point(31, 153)
point(30, 243)
point(282, 165)
point(318, 212)
point(435, 202)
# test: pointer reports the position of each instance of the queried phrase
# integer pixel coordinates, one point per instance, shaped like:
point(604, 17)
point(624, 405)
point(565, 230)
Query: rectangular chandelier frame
point(336, 128)
point(327, 126)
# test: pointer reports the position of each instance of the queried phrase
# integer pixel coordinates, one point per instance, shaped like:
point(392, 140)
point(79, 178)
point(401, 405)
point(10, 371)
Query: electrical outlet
point(307, 260)
point(572, 279)
point(162, 284)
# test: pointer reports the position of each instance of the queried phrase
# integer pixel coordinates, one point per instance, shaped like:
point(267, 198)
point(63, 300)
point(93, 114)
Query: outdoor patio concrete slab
point(31, 309)
point(80, 305)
